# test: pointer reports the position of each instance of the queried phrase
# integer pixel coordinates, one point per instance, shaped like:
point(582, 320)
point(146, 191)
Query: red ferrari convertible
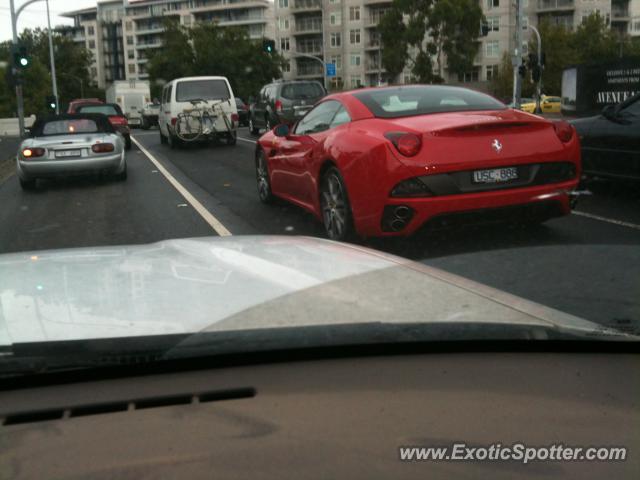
point(388, 161)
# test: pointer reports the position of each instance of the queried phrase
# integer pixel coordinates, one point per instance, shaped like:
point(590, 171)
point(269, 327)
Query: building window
point(494, 24)
point(355, 60)
point(354, 14)
point(337, 61)
point(492, 49)
point(128, 26)
point(493, 4)
point(132, 68)
point(129, 40)
point(92, 44)
point(355, 81)
point(283, 3)
point(472, 76)
point(335, 1)
point(335, 39)
point(354, 36)
point(335, 18)
point(186, 20)
point(283, 23)
point(131, 54)
point(91, 31)
point(284, 44)
point(492, 71)
point(287, 67)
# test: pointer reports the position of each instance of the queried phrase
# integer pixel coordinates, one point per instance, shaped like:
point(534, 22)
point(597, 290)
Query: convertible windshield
point(421, 100)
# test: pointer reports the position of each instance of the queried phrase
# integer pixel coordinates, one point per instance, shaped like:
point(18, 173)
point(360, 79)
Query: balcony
point(306, 5)
point(309, 70)
point(307, 26)
point(548, 5)
point(153, 44)
point(620, 14)
point(378, 2)
point(309, 49)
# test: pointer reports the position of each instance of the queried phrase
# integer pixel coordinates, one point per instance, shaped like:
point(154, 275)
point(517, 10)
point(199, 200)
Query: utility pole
point(53, 62)
point(20, 100)
point(517, 55)
point(540, 67)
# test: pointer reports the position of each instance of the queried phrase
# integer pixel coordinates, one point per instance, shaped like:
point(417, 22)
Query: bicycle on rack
point(201, 122)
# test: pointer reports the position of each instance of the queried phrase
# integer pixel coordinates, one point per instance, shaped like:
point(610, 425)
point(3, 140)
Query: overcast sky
point(35, 15)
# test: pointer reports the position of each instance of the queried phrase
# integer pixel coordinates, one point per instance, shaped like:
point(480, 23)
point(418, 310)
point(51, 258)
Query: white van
point(177, 97)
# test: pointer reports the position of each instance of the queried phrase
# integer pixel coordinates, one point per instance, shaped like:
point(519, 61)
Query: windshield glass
point(393, 171)
point(103, 109)
point(421, 100)
point(302, 91)
point(202, 89)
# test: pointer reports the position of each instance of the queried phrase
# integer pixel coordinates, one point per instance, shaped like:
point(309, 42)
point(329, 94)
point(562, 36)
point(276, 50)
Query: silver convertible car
point(72, 144)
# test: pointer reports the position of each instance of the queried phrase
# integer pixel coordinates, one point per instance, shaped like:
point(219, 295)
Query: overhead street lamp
point(14, 27)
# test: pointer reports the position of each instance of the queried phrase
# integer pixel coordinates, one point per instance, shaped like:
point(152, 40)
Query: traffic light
point(21, 58)
point(522, 70)
point(536, 73)
point(52, 103)
point(268, 46)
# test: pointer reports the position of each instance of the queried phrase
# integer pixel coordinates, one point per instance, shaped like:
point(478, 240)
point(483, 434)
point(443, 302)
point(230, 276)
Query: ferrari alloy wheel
point(334, 202)
point(262, 177)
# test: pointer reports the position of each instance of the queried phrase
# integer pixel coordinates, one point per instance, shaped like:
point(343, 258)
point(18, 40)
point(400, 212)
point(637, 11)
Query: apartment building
point(121, 34)
point(345, 32)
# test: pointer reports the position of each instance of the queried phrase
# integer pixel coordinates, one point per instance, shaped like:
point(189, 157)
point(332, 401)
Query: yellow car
point(547, 104)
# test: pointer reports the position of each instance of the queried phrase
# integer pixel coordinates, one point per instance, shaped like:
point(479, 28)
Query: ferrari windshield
point(421, 100)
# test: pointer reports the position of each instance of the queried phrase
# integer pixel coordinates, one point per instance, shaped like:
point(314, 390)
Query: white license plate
point(496, 175)
point(68, 153)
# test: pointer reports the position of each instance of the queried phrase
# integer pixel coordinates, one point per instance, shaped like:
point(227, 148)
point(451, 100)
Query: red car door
point(289, 164)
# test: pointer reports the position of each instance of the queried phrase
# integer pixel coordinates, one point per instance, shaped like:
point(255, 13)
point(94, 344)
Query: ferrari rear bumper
point(540, 202)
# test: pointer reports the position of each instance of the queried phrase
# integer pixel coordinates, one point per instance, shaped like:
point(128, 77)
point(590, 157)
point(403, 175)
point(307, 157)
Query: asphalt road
point(587, 264)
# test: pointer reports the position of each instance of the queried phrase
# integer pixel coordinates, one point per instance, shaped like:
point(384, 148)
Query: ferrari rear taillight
point(278, 106)
point(117, 120)
point(32, 152)
point(234, 117)
point(408, 144)
point(102, 148)
point(174, 120)
point(564, 130)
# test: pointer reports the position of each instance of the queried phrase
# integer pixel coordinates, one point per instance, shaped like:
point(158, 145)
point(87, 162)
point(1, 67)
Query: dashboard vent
point(37, 416)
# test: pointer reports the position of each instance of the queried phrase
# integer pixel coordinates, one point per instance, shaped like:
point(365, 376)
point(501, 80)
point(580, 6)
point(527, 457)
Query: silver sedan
point(66, 145)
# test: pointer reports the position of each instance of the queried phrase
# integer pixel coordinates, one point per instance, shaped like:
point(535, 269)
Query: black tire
point(262, 178)
point(336, 210)
point(127, 142)
point(252, 127)
point(28, 184)
point(121, 176)
point(232, 138)
point(173, 141)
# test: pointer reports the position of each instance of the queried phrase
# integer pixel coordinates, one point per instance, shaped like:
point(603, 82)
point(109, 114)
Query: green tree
point(204, 50)
point(432, 30)
point(502, 82)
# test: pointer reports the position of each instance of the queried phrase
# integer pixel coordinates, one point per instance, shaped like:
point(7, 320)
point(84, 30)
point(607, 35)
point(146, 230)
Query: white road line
point(218, 227)
point(607, 220)
point(247, 140)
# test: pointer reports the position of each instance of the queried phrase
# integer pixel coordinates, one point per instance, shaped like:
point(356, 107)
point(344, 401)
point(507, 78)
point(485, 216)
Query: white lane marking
point(218, 227)
point(247, 140)
point(607, 220)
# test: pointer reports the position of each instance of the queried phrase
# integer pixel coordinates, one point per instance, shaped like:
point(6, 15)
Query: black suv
point(283, 102)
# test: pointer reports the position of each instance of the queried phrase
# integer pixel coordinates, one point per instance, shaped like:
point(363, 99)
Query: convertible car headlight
point(412, 187)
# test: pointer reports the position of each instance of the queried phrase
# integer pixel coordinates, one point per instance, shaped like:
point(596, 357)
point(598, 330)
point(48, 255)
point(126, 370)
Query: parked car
point(114, 114)
point(389, 161)
point(283, 102)
point(611, 141)
point(75, 104)
point(70, 144)
point(547, 104)
point(150, 114)
point(178, 95)
point(243, 112)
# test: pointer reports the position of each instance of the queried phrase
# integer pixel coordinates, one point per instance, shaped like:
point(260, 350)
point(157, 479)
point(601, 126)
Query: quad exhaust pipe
point(402, 214)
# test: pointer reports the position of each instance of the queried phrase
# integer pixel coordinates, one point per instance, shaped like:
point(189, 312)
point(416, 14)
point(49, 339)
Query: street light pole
point(53, 61)
point(539, 82)
point(517, 59)
point(14, 27)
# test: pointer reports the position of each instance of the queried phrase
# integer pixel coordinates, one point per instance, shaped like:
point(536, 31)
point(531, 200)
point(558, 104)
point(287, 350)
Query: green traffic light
point(24, 61)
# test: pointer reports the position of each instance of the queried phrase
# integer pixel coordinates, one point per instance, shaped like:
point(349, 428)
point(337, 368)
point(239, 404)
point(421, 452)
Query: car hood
point(235, 283)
